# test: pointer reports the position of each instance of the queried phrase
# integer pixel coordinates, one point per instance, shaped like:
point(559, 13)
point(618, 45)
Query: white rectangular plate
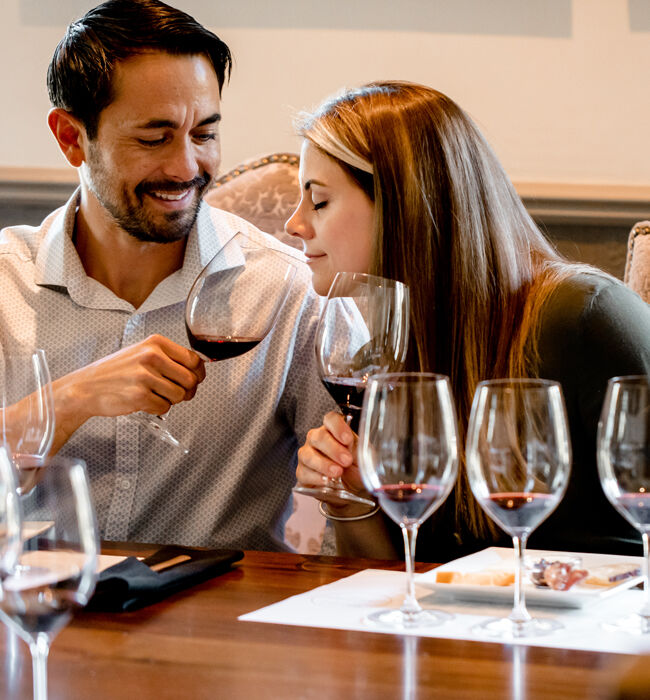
point(577, 596)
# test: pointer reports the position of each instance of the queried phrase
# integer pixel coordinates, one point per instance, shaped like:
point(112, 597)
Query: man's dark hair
point(80, 75)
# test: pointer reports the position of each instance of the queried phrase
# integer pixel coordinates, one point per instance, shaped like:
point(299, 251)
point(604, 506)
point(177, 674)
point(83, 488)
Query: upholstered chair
point(637, 264)
point(264, 191)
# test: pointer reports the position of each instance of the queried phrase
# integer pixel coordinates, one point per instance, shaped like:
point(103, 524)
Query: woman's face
point(334, 219)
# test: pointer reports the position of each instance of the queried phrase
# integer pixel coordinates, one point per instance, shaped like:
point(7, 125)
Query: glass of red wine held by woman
point(408, 459)
point(518, 462)
point(232, 305)
point(363, 330)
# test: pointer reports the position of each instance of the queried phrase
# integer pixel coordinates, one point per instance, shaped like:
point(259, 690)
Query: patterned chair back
point(637, 264)
point(264, 191)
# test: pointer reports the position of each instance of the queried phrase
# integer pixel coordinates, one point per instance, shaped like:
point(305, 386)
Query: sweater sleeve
point(594, 328)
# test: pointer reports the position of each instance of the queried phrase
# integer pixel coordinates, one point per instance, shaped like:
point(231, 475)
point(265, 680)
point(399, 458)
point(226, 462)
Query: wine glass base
point(505, 628)
point(631, 624)
point(334, 495)
point(154, 424)
point(400, 620)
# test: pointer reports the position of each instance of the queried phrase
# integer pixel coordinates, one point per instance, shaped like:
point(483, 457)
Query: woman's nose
point(296, 226)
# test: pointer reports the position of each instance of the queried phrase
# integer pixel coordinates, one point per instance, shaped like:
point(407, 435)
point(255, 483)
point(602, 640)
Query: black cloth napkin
point(133, 584)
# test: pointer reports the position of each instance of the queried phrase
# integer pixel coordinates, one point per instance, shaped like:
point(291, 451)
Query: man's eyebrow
point(169, 124)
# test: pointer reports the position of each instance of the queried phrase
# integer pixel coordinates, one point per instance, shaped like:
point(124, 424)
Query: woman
point(397, 180)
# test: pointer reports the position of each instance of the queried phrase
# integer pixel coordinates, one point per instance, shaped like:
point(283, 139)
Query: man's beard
point(129, 210)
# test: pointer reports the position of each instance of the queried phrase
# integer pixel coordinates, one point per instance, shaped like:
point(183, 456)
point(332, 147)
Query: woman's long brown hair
point(450, 225)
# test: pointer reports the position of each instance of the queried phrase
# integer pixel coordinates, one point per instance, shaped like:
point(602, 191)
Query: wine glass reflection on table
point(518, 463)
point(231, 307)
point(408, 458)
point(624, 470)
point(27, 419)
point(363, 330)
point(60, 562)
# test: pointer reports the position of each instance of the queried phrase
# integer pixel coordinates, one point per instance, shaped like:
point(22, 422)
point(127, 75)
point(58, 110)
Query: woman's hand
point(330, 452)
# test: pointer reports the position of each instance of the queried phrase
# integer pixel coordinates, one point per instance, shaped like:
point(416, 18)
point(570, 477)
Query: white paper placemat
point(345, 604)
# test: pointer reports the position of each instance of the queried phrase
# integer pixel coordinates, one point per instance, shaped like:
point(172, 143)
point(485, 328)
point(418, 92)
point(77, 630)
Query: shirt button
point(125, 484)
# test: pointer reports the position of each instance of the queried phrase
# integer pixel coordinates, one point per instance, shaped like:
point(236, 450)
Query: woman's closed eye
point(319, 205)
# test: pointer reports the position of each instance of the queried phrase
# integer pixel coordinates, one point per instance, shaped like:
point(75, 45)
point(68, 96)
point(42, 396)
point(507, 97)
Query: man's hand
point(149, 376)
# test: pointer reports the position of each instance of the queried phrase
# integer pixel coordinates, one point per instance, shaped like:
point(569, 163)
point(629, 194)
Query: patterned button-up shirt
point(243, 427)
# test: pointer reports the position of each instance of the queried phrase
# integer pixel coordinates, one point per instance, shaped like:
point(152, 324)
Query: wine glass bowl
point(624, 470)
point(236, 298)
point(363, 330)
point(59, 550)
point(408, 458)
point(27, 413)
point(518, 464)
point(230, 308)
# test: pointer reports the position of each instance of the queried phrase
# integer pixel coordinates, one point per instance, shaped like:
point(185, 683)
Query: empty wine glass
point(232, 305)
point(59, 552)
point(27, 413)
point(10, 517)
point(408, 458)
point(518, 462)
point(624, 470)
point(363, 330)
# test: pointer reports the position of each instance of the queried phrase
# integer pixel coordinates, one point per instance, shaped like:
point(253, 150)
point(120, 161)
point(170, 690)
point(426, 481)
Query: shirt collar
point(58, 264)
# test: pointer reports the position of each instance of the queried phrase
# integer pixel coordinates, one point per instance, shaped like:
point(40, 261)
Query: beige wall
point(561, 88)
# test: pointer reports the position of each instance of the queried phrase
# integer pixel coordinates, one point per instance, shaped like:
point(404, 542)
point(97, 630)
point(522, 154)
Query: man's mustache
point(200, 182)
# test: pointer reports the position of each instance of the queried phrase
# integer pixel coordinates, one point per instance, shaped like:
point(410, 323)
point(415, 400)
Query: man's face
point(157, 146)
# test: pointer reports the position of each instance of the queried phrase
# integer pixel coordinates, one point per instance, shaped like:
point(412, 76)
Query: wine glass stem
point(40, 648)
point(410, 606)
point(519, 614)
point(645, 610)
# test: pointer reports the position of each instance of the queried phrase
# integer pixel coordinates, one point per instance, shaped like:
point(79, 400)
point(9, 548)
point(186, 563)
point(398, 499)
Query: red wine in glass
point(220, 347)
point(519, 512)
point(408, 502)
point(348, 393)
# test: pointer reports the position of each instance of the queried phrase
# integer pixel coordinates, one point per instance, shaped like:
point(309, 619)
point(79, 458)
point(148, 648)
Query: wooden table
point(192, 646)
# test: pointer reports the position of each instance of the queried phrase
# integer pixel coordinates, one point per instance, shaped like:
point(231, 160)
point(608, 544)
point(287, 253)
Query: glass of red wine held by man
point(232, 305)
point(363, 330)
point(518, 458)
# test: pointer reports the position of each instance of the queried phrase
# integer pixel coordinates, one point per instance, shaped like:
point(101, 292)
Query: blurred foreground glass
point(58, 561)
point(27, 413)
point(231, 307)
point(408, 457)
point(363, 330)
point(518, 464)
point(10, 517)
point(624, 470)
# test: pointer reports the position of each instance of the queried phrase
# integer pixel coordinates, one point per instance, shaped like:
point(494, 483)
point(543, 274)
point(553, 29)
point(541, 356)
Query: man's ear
point(69, 133)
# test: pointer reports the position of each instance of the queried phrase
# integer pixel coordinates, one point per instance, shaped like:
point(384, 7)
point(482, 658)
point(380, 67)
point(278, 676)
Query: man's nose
point(181, 161)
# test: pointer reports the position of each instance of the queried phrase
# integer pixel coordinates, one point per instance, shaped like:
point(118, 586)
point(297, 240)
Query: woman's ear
point(69, 134)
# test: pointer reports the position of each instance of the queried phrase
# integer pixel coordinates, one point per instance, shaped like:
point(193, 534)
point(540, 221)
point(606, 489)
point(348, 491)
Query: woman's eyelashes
point(319, 205)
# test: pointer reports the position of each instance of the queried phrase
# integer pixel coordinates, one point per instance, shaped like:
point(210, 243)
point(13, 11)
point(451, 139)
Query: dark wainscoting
point(588, 231)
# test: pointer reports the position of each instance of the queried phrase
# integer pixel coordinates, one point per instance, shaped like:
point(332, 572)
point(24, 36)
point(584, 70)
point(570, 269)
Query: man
point(101, 285)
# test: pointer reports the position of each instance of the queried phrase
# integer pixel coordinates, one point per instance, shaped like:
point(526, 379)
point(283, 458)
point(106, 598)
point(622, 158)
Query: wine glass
point(518, 463)
point(363, 330)
point(27, 414)
point(10, 517)
point(408, 457)
point(232, 305)
point(624, 469)
point(59, 551)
